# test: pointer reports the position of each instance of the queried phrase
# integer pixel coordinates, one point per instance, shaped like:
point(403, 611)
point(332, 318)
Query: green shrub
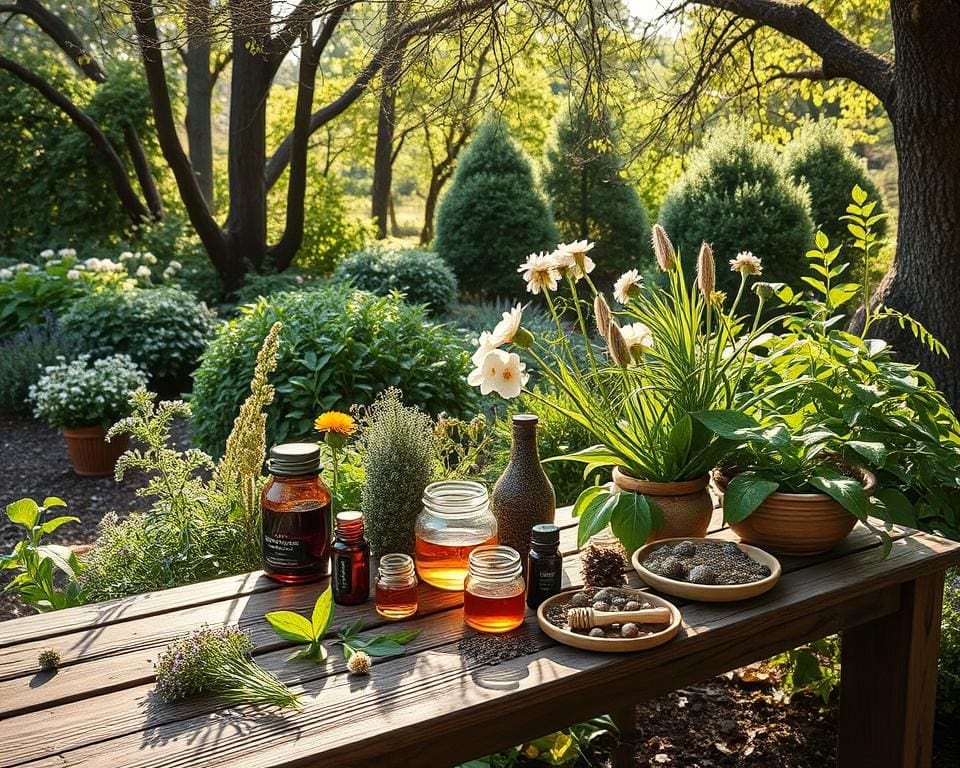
point(340, 347)
point(492, 217)
point(818, 157)
point(948, 683)
point(164, 330)
point(22, 358)
point(421, 276)
point(735, 195)
point(591, 198)
point(256, 285)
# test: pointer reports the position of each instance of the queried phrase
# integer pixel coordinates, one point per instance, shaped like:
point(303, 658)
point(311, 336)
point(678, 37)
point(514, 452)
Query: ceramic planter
point(686, 506)
point(798, 523)
point(90, 453)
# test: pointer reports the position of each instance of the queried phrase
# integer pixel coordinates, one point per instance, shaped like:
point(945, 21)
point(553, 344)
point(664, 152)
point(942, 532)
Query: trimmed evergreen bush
point(492, 217)
point(735, 195)
point(591, 199)
point(421, 276)
point(818, 157)
point(339, 347)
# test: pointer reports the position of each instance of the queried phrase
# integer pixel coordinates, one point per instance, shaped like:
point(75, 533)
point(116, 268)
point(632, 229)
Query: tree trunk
point(386, 126)
point(199, 95)
point(924, 280)
point(437, 178)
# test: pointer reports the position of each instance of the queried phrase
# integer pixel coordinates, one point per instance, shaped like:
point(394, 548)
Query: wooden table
point(432, 707)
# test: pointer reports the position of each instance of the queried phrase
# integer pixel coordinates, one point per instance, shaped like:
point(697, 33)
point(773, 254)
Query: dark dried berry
point(580, 600)
point(600, 605)
point(673, 568)
point(702, 574)
point(685, 549)
point(629, 630)
point(597, 632)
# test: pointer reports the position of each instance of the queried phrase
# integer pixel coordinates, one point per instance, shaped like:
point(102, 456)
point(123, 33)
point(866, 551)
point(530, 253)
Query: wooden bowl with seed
point(707, 593)
point(659, 635)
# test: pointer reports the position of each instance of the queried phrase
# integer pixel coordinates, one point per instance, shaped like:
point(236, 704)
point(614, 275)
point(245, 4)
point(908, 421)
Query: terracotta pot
point(90, 453)
point(798, 523)
point(686, 506)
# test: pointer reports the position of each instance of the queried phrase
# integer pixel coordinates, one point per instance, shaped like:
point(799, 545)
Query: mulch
point(738, 719)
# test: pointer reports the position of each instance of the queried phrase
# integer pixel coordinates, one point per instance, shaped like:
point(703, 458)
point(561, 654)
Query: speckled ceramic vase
point(686, 506)
point(523, 496)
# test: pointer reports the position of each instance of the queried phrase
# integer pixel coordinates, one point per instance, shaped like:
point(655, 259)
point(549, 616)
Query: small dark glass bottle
point(351, 561)
point(544, 564)
point(296, 514)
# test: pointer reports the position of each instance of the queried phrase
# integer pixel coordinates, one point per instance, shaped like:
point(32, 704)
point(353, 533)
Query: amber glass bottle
point(544, 564)
point(493, 590)
point(296, 511)
point(351, 561)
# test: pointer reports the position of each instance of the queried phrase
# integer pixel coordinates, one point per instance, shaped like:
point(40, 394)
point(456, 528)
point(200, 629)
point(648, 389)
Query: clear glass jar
point(456, 519)
point(396, 587)
point(493, 597)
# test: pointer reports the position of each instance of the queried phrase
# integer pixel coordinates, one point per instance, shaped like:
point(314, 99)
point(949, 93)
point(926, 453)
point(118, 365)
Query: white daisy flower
point(627, 286)
point(539, 272)
point(746, 264)
point(506, 329)
point(500, 372)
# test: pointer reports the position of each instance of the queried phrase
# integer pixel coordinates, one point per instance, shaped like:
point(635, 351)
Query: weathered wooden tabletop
point(432, 707)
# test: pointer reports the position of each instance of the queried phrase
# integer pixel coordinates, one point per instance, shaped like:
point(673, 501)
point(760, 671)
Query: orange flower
point(335, 421)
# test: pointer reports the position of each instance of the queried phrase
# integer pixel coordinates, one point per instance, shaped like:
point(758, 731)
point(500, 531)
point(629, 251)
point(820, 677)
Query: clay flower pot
point(797, 523)
point(90, 453)
point(686, 505)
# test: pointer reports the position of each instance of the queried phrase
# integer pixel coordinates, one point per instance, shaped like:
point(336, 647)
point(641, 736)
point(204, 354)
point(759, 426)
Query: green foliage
point(382, 646)
point(398, 449)
point(22, 359)
point(164, 330)
point(735, 195)
point(492, 216)
point(256, 285)
point(591, 197)
point(299, 629)
point(818, 156)
point(948, 682)
point(569, 747)
point(341, 347)
point(814, 667)
point(40, 566)
point(421, 276)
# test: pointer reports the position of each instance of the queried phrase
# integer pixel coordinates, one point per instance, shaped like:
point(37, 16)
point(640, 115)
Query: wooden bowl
point(610, 644)
point(708, 593)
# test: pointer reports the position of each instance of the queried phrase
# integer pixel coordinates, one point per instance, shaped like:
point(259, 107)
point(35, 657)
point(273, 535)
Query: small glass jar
point(456, 519)
point(295, 536)
point(351, 561)
point(493, 598)
point(396, 587)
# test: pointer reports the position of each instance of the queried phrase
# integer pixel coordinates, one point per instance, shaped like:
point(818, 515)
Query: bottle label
point(547, 579)
point(342, 575)
point(296, 539)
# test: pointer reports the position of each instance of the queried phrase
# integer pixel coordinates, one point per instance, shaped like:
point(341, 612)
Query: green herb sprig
point(389, 644)
point(299, 629)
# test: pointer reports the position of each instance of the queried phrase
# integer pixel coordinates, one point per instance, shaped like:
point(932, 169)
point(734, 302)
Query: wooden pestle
point(587, 618)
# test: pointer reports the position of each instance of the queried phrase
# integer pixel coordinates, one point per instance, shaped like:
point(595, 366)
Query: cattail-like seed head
point(706, 271)
point(663, 249)
point(617, 346)
point(601, 313)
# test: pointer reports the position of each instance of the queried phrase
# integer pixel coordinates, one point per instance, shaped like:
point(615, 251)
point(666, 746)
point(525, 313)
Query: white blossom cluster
point(137, 264)
point(81, 393)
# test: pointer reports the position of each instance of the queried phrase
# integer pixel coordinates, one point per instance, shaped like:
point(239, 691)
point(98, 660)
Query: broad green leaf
point(726, 423)
point(60, 557)
point(291, 626)
point(595, 515)
point(379, 646)
point(822, 240)
point(586, 496)
point(631, 520)
point(744, 494)
point(53, 501)
point(876, 453)
point(680, 437)
point(51, 525)
point(403, 637)
point(858, 194)
point(313, 652)
point(898, 508)
point(24, 512)
point(844, 490)
point(322, 613)
point(595, 454)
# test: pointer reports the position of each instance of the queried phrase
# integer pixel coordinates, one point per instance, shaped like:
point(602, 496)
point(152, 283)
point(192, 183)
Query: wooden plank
point(889, 683)
point(410, 691)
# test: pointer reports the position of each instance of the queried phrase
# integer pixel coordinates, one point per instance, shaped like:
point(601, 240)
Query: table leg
point(889, 682)
point(626, 721)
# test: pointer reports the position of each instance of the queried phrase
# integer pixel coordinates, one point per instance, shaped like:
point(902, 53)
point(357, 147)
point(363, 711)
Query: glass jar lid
point(456, 498)
point(295, 459)
point(396, 567)
point(494, 563)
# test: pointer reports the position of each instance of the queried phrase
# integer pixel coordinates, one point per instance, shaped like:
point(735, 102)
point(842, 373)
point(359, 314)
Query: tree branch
point(841, 56)
point(118, 173)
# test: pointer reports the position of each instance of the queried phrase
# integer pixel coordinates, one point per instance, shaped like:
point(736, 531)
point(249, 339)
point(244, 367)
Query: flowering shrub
point(22, 358)
point(84, 394)
point(164, 330)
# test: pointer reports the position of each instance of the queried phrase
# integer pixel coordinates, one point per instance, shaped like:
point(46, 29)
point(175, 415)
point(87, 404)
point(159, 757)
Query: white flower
point(176, 266)
point(485, 345)
point(47, 254)
point(73, 274)
point(500, 372)
point(126, 256)
point(639, 338)
point(92, 264)
point(572, 258)
point(507, 328)
point(627, 285)
point(746, 264)
point(143, 271)
point(66, 253)
point(24, 267)
point(6, 274)
point(149, 258)
point(540, 272)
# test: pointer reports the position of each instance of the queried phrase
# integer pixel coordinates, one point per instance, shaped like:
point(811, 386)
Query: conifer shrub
point(819, 157)
point(340, 347)
point(591, 198)
point(735, 195)
point(493, 216)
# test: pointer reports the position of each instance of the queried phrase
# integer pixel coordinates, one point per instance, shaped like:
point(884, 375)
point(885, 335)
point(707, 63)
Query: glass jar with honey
point(396, 587)
point(456, 519)
point(493, 597)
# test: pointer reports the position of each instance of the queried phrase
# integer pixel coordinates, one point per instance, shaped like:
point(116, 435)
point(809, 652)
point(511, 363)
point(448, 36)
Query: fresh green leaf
point(726, 423)
point(51, 525)
point(24, 512)
point(53, 501)
point(291, 626)
point(844, 490)
point(595, 454)
point(631, 520)
point(875, 452)
point(595, 515)
point(322, 614)
point(744, 494)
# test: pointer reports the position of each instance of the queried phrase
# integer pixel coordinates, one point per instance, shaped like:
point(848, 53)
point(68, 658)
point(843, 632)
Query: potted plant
point(839, 430)
point(84, 398)
point(673, 349)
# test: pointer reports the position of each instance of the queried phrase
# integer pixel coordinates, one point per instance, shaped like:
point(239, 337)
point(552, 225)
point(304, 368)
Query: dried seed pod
point(603, 567)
